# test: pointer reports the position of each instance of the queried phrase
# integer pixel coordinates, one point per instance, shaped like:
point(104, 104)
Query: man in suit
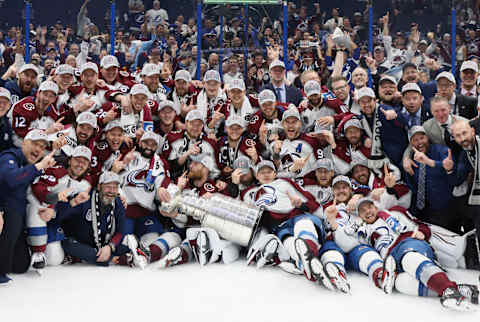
point(469, 75)
point(461, 105)
point(284, 93)
point(412, 111)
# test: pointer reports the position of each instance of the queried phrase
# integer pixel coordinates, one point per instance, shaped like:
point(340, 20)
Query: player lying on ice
point(395, 235)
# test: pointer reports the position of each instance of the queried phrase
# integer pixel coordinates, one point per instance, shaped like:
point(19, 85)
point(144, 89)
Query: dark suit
point(465, 106)
point(293, 94)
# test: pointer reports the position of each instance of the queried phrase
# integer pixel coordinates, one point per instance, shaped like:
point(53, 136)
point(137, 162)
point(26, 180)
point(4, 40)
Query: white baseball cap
point(82, 151)
point(291, 112)
point(362, 201)
point(408, 87)
point(266, 96)
point(113, 124)
point(194, 115)
point(277, 63)
point(36, 135)
point(48, 86)
point(183, 75)
point(366, 92)
point(265, 163)
point(109, 61)
point(140, 89)
point(150, 69)
point(87, 66)
point(5, 93)
point(414, 130)
point(150, 135)
point(469, 64)
point(108, 177)
point(237, 84)
point(212, 74)
point(449, 76)
point(235, 119)
point(87, 118)
point(26, 67)
point(341, 178)
point(64, 69)
point(204, 159)
point(312, 87)
point(388, 78)
point(167, 103)
point(324, 164)
point(353, 122)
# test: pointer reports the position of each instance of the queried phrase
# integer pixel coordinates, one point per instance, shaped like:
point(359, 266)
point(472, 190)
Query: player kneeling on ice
point(292, 224)
point(95, 225)
point(393, 233)
point(56, 184)
point(202, 244)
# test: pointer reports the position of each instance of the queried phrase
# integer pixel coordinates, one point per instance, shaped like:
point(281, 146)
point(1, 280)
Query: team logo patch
point(249, 142)
point(150, 103)
point(252, 119)
point(29, 106)
point(124, 73)
point(209, 187)
point(266, 196)
point(88, 216)
point(102, 145)
point(148, 222)
point(123, 89)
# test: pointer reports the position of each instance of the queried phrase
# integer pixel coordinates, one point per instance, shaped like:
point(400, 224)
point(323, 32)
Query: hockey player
point(235, 144)
point(292, 223)
point(212, 94)
point(180, 145)
point(267, 118)
point(142, 177)
point(36, 112)
point(110, 154)
point(295, 156)
point(115, 79)
point(184, 94)
point(56, 184)
point(319, 181)
point(392, 232)
point(151, 78)
point(202, 244)
point(94, 224)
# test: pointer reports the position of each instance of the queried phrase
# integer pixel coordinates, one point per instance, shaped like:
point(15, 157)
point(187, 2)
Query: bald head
point(463, 134)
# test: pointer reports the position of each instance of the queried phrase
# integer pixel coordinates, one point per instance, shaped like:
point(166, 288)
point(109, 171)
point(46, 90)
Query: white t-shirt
point(155, 17)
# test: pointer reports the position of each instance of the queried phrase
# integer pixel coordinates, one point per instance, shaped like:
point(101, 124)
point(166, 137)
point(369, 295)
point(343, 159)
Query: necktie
point(422, 173)
point(278, 90)
point(446, 133)
point(414, 120)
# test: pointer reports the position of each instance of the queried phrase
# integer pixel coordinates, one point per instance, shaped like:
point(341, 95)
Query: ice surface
point(213, 293)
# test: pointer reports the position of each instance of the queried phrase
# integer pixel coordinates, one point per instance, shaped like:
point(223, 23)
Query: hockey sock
point(425, 271)
point(333, 256)
point(406, 284)
point(39, 249)
point(305, 229)
point(371, 264)
point(163, 244)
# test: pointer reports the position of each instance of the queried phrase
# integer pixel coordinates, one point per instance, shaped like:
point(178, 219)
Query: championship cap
point(414, 130)
point(194, 115)
point(183, 75)
point(324, 164)
point(87, 118)
point(237, 84)
point(109, 61)
point(388, 78)
point(449, 76)
point(243, 163)
point(150, 69)
point(366, 92)
point(265, 163)
point(408, 87)
point(36, 135)
point(212, 74)
point(26, 67)
point(5, 93)
point(64, 69)
point(140, 89)
point(167, 103)
point(469, 64)
point(266, 96)
point(89, 66)
point(291, 112)
point(338, 179)
point(204, 159)
point(379, 48)
point(353, 122)
point(235, 119)
point(108, 177)
point(113, 124)
point(312, 87)
point(82, 151)
point(276, 63)
point(150, 135)
point(48, 86)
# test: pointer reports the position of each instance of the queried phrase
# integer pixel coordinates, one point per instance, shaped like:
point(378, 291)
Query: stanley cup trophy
point(232, 219)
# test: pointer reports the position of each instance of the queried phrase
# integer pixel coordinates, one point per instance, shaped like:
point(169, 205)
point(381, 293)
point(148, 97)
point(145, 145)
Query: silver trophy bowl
point(232, 219)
